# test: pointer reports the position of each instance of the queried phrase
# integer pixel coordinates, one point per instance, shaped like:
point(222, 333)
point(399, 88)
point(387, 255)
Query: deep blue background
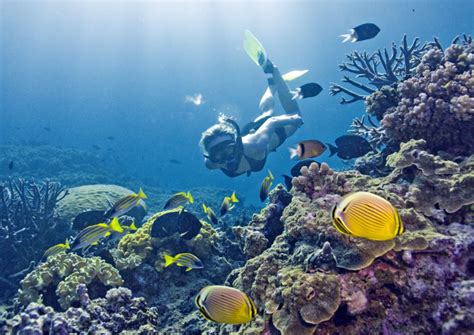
point(91, 70)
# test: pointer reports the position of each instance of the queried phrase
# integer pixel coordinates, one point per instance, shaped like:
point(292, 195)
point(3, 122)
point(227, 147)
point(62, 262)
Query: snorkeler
point(225, 146)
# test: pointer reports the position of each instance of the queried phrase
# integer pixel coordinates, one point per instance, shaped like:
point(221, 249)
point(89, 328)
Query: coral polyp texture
point(437, 103)
point(55, 282)
point(311, 279)
point(117, 313)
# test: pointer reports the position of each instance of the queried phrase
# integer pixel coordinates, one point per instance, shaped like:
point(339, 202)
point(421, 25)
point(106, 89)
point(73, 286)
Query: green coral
point(65, 272)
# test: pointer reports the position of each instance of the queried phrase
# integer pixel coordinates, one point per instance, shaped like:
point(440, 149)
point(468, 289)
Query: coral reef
point(437, 102)
point(55, 282)
point(264, 226)
point(117, 313)
point(28, 225)
point(437, 186)
point(312, 279)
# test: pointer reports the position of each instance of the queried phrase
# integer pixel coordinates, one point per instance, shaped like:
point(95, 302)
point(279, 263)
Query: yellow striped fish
point(225, 304)
point(93, 234)
point(126, 204)
point(228, 204)
point(187, 260)
point(210, 214)
point(56, 249)
point(179, 199)
point(126, 230)
point(367, 215)
point(266, 185)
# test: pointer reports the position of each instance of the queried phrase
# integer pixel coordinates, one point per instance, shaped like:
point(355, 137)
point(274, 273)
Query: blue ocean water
point(90, 70)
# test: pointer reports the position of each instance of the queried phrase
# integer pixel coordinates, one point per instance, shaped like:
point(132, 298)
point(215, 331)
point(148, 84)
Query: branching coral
point(55, 282)
point(28, 225)
point(381, 68)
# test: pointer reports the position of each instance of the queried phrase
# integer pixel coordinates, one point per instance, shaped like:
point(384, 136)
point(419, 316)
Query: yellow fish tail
point(233, 198)
point(133, 227)
point(190, 197)
point(115, 225)
point(168, 259)
point(141, 194)
point(270, 175)
point(204, 207)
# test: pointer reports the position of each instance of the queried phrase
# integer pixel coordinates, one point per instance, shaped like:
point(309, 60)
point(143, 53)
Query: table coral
point(55, 282)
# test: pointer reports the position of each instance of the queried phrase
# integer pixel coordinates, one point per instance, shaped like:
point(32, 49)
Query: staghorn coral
point(395, 66)
point(437, 102)
point(117, 313)
point(438, 185)
point(55, 282)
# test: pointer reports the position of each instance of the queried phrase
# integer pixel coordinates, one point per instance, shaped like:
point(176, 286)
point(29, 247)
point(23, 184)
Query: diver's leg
point(286, 98)
point(267, 102)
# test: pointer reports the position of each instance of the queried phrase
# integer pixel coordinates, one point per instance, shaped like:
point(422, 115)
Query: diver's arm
point(263, 136)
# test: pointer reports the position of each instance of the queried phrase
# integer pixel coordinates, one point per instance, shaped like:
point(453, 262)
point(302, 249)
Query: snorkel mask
point(221, 150)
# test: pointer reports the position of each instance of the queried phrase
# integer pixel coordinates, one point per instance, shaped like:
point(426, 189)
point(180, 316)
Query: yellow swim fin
point(254, 49)
point(292, 75)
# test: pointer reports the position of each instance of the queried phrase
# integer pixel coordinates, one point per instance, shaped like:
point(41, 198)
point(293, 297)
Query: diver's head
point(218, 143)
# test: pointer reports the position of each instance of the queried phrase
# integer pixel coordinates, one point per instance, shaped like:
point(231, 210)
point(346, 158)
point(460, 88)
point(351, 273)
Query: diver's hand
point(297, 120)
